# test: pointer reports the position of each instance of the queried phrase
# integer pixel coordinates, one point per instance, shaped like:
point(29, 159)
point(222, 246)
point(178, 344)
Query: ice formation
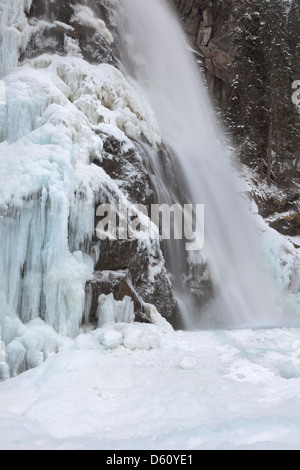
point(112, 311)
point(84, 15)
point(52, 112)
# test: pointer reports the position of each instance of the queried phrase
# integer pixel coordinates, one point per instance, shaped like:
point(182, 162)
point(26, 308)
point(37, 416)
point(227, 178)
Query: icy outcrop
point(14, 32)
point(84, 15)
point(66, 119)
point(114, 311)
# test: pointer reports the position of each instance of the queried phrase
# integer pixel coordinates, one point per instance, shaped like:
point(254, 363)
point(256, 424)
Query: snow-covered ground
point(192, 390)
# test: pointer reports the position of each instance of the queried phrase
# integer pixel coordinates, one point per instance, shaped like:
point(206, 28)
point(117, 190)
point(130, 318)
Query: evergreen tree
point(294, 35)
point(261, 115)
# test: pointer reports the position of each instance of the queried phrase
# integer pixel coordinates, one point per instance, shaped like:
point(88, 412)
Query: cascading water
point(171, 188)
point(64, 109)
point(167, 75)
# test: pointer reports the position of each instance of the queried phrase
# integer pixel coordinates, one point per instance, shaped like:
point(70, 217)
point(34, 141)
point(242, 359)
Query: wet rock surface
point(210, 25)
point(57, 30)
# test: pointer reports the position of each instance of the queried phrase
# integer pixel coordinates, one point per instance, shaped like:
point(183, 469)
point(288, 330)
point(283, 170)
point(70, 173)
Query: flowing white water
point(168, 76)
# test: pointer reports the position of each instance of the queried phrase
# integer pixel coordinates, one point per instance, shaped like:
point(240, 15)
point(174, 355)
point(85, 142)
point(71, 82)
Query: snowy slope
point(201, 390)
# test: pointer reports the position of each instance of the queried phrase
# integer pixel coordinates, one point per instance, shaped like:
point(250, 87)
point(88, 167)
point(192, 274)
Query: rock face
point(64, 29)
point(80, 136)
point(118, 283)
point(127, 169)
point(209, 25)
point(213, 28)
point(281, 212)
point(125, 268)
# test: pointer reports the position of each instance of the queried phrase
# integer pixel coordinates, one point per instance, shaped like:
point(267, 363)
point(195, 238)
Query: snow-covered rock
point(140, 337)
point(65, 110)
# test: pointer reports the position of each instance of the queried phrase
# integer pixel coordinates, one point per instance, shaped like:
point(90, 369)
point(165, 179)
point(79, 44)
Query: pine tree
point(261, 115)
point(293, 28)
point(245, 114)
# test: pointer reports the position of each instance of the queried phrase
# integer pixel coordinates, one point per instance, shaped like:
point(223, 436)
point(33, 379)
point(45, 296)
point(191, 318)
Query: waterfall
point(74, 133)
point(162, 64)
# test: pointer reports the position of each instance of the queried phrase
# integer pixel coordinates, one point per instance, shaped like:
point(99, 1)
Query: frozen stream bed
point(186, 390)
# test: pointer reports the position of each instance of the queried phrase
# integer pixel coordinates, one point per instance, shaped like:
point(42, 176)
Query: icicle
point(14, 32)
point(111, 311)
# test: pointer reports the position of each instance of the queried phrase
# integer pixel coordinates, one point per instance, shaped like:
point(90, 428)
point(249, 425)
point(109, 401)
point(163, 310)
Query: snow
point(137, 337)
point(110, 338)
point(122, 385)
point(64, 26)
point(283, 261)
point(85, 16)
point(72, 47)
point(295, 240)
point(280, 254)
point(111, 310)
point(198, 390)
point(14, 32)
point(157, 319)
point(54, 109)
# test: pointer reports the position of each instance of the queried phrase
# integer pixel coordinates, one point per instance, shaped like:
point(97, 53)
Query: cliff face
point(121, 267)
point(95, 45)
point(250, 53)
point(210, 26)
point(80, 137)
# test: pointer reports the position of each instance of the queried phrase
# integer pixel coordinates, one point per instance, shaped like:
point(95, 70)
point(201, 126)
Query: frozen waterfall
point(61, 102)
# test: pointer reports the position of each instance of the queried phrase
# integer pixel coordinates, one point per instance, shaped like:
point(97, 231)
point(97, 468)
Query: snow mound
point(141, 337)
point(188, 363)
point(109, 338)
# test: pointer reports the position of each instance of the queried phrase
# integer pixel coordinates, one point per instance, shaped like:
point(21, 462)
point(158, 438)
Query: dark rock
point(161, 295)
point(270, 205)
point(199, 283)
point(52, 39)
point(281, 213)
point(127, 168)
point(118, 283)
point(210, 26)
point(122, 254)
point(288, 225)
point(60, 11)
point(133, 256)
